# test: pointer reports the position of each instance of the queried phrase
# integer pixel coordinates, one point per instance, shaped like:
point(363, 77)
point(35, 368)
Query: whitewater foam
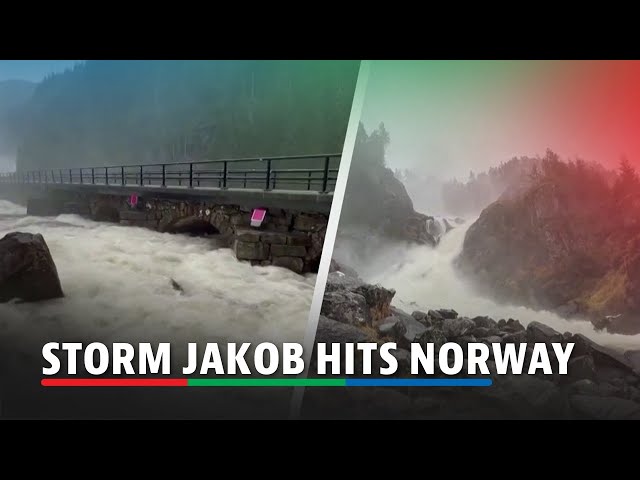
point(425, 278)
point(117, 285)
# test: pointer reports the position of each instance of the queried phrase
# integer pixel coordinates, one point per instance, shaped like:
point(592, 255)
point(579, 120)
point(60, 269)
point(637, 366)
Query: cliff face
point(377, 200)
point(548, 247)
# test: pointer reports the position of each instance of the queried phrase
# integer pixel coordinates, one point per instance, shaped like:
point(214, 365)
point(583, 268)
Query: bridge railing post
point(124, 182)
point(164, 178)
point(93, 176)
point(325, 175)
point(224, 174)
point(106, 175)
point(81, 175)
point(141, 176)
point(191, 175)
point(268, 179)
point(70, 176)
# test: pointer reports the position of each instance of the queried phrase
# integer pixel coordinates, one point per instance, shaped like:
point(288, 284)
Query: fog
point(446, 118)
point(117, 285)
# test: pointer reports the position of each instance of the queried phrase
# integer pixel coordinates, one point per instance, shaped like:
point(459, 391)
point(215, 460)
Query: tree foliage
point(127, 112)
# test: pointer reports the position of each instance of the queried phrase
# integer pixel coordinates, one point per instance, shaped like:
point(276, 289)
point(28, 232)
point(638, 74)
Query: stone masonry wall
point(289, 239)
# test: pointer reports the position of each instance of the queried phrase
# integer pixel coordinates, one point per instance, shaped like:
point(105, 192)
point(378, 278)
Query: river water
point(117, 285)
point(425, 278)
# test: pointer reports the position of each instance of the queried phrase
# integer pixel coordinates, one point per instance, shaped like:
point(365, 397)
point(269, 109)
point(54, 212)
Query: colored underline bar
point(266, 382)
point(418, 382)
point(114, 382)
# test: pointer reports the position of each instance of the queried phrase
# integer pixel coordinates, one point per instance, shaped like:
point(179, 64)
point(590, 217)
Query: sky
point(32, 70)
point(449, 117)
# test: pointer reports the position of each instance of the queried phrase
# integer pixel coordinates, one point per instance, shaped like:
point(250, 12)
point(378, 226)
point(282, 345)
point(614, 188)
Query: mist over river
point(425, 278)
point(117, 285)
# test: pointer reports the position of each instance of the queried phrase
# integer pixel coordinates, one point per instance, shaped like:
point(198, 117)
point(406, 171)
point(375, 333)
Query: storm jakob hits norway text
point(331, 359)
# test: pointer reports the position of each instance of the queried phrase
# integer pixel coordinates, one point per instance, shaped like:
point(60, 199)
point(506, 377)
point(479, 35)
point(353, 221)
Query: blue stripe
point(418, 382)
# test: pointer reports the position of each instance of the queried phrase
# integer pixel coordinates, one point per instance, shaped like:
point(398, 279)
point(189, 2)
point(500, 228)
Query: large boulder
point(27, 270)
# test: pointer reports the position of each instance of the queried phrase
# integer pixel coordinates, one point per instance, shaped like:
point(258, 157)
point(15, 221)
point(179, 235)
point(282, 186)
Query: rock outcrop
point(27, 270)
point(544, 247)
point(600, 383)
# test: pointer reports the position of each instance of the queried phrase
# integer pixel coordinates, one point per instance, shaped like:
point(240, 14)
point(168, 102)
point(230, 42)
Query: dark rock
point(346, 307)
point(27, 270)
point(392, 327)
point(309, 223)
point(584, 386)
point(334, 266)
point(493, 339)
point(633, 357)
point(480, 332)
point(540, 333)
point(513, 326)
point(413, 328)
point(435, 315)
point(517, 337)
point(465, 340)
point(404, 359)
point(331, 331)
point(485, 322)
point(302, 239)
point(294, 264)
point(457, 327)
point(432, 335)
point(582, 367)
point(605, 408)
point(418, 315)
point(448, 313)
point(176, 286)
point(602, 356)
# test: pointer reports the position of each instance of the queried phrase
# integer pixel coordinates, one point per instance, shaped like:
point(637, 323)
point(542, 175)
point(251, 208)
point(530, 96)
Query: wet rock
point(250, 250)
point(295, 264)
point(513, 326)
point(517, 337)
point(176, 286)
point(392, 327)
point(27, 270)
point(434, 314)
point(605, 408)
point(331, 331)
point(432, 335)
point(485, 322)
point(448, 313)
point(582, 367)
point(480, 332)
point(540, 333)
point(345, 307)
point(457, 327)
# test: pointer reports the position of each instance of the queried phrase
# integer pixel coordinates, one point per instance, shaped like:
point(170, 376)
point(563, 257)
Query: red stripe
point(113, 382)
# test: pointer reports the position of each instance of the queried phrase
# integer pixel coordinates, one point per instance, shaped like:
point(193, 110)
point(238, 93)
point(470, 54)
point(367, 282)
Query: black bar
point(93, 176)
point(141, 177)
point(309, 182)
point(81, 175)
point(124, 182)
point(325, 176)
point(268, 173)
point(106, 175)
point(163, 176)
point(245, 179)
point(70, 176)
point(191, 175)
point(224, 174)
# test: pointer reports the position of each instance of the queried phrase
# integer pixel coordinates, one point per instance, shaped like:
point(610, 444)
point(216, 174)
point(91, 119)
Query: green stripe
point(266, 382)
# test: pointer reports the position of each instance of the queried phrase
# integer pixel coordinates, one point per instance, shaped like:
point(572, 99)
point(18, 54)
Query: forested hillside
point(13, 95)
point(124, 112)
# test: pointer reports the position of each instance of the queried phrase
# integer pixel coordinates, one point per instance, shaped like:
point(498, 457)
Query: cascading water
point(425, 278)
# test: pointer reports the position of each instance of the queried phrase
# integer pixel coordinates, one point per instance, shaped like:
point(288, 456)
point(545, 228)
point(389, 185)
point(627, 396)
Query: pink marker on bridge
point(133, 199)
point(257, 217)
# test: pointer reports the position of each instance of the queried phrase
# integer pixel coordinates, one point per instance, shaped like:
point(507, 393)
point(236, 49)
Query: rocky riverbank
point(600, 384)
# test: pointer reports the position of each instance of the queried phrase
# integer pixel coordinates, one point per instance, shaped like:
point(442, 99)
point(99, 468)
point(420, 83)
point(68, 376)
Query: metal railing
point(268, 173)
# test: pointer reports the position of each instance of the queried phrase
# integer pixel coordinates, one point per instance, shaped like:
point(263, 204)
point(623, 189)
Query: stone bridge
point(200, 198)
